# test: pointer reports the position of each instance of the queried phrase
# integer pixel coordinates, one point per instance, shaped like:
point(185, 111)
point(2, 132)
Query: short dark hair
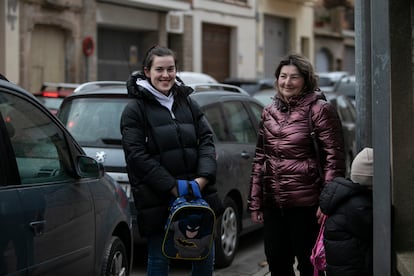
point(157, 51)
point(305, 69)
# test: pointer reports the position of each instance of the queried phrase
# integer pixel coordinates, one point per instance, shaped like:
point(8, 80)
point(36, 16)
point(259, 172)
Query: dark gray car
point(92, 114)
point(60, 214)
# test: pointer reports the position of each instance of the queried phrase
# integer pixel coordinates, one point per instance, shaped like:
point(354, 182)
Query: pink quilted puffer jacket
point(285, 172)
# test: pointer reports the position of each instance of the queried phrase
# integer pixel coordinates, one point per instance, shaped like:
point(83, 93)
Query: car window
point(347, 86)
point(231, 122)
point(93, 121)
point(216, 120)
point(39, 146)
point(239, 124)
point(50, 103)
point(257, 112)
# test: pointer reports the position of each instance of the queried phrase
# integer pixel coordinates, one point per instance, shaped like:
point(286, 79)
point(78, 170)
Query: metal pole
point(363, 74)
point(381, 108)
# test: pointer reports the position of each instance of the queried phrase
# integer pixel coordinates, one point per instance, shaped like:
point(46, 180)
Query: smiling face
point(290, 82)
point(162, 73)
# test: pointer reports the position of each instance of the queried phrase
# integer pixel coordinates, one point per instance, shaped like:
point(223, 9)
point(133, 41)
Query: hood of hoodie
point(136, 91)
point(337, 192)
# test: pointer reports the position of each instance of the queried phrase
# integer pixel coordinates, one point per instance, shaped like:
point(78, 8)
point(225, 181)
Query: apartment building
point(80, 40)
point(334, 35)
point(77, 41)
point(283, 26)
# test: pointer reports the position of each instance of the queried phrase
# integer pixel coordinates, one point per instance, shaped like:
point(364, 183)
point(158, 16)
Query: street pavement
point(249, 261)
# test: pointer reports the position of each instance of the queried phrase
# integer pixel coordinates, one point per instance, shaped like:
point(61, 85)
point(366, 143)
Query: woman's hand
point(174, 191)
point(257, 216)
point(319, 215)
point(202, 182)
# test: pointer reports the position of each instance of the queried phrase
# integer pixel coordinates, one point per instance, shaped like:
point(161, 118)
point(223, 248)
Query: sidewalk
point(263, 272)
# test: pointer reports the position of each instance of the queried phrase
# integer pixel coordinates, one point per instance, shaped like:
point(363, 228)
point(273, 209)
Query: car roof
point(205, 94)
point(195, 77)
point(119, 87)
point(210, 97)
point(268, 93)
point(101, 87)
point(59, 85)
point(12, 86)
point(56, 90)
point(333, 75)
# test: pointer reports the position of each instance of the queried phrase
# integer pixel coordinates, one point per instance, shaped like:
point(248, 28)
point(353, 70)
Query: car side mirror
point(89, 167)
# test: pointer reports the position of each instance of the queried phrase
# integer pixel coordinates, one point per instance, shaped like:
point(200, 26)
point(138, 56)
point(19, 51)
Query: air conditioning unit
point(175, 22)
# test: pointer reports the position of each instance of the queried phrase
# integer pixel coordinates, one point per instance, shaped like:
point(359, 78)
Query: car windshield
point(50, 103)
point(347, 86)
point(94, 121)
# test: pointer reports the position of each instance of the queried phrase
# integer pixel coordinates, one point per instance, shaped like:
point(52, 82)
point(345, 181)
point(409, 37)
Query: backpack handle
point(188, 188)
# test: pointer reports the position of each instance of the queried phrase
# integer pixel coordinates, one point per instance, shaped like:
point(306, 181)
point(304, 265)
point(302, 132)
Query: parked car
point(346, 111)
point(195, 77)
point(217, 87)
point(60, 213)
point(251, 85)
point(52, 94)
point(347, 86)
point(328, 80)
point(92, 114)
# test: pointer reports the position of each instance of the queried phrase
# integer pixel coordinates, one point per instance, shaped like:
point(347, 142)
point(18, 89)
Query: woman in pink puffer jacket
point(287, 176)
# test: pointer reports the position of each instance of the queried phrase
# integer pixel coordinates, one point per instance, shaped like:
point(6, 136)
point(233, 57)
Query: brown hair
point(305, 69)
point(157, 51)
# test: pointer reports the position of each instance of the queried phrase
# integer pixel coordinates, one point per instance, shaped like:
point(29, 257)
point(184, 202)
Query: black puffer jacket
point(160, 149)
point(285, 169)
point(348, 228)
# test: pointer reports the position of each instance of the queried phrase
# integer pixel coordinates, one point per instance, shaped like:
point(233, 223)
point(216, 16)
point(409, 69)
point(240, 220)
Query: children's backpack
point(317, 257)
point(189, 231)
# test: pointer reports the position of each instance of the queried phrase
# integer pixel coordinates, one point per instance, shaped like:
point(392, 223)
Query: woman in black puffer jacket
point(165, 138)
point(286, 180)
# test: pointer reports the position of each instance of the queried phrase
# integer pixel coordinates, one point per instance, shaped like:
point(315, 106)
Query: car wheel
point(115, 261)
point(227, 240)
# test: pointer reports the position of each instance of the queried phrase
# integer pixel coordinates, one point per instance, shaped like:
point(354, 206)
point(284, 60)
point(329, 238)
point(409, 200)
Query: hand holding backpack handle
point(188, 189)
point(189, 230)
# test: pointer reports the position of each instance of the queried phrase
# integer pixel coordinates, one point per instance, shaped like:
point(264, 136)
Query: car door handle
point(245, 155)
point(38, 227)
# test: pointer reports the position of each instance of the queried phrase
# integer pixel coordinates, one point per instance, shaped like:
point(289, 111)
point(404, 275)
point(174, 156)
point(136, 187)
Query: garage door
point(276, 35)
point(216, 51)
point(47, 56)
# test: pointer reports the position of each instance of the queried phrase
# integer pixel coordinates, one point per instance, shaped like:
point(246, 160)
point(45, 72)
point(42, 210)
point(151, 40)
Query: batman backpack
point(189, 231)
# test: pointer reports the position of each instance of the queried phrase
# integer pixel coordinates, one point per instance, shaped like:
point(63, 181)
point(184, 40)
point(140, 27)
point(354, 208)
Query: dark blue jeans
point(158, 264)
point(290, 233)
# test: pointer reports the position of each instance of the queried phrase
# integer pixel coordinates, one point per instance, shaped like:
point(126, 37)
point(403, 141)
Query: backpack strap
point(315, 141)
point(195, 189)
point(182, 187)
point(188, 188)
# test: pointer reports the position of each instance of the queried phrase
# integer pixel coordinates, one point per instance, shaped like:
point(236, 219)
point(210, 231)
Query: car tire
point(228, 230)
point(115, 262)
